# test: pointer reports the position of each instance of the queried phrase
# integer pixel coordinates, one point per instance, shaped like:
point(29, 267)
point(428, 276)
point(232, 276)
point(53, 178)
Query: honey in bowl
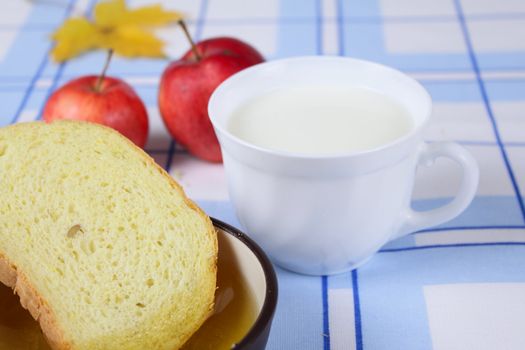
point(18, 330)
point(235, 307)
point(235, 311)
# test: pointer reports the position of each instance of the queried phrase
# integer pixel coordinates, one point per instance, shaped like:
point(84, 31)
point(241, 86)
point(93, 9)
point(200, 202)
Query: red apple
point(186, 87)
point(114, 104)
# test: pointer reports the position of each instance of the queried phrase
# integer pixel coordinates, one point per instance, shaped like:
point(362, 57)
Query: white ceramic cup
point(328, 214)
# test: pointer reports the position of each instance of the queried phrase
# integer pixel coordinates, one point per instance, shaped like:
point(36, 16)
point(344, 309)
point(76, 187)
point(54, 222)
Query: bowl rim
point(265, 317)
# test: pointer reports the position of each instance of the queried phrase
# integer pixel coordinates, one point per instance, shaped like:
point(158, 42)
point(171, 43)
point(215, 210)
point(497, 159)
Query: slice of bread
point(100, 243)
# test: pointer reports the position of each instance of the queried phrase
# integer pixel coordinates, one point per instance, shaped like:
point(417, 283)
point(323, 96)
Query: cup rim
point(222, 130)
point(265, 317)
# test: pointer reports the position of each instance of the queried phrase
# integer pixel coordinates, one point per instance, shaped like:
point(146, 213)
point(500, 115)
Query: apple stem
point(102, 75)
point(192, 43)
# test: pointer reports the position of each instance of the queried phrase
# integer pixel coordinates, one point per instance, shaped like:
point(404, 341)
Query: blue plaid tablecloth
point(457, 286)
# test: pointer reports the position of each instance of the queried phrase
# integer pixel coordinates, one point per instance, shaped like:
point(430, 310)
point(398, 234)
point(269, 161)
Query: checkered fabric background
point(457, 286)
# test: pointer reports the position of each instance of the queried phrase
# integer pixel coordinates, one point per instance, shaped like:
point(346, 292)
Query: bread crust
point(34, 303)
point(31, 300)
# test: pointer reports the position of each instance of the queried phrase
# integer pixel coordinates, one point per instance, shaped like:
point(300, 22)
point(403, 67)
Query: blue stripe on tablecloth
point(487, 103)
point(201, 20)
point(488, 143)
point(505, 89)
point(453, 245)
point(319, 26)
point(447, 91)
point(358, 8)
point(340, 28)
point(460, 228)
point(357, 311)
point(326, 313)
point(169, 158)
point(297, 9)
point(431, 18)
point(501, 61)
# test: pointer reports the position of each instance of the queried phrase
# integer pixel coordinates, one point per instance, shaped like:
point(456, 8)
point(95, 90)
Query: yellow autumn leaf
point(76, 36)
point(148, 16)
point(132, 41)
point(114, 26)
point(115, 13)
point(106, 13)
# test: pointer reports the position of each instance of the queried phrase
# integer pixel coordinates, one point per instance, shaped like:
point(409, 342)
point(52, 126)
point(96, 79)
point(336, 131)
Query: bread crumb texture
point(113, 254)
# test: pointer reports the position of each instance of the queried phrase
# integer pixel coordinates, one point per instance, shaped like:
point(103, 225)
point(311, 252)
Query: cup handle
point(413, 220)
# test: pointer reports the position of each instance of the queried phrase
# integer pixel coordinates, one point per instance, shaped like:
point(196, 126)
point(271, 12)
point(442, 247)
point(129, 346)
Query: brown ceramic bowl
point(245, 299)
point(258, 274)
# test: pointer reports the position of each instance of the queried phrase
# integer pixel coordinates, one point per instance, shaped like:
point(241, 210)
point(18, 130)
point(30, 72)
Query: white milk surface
point(321, 120)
